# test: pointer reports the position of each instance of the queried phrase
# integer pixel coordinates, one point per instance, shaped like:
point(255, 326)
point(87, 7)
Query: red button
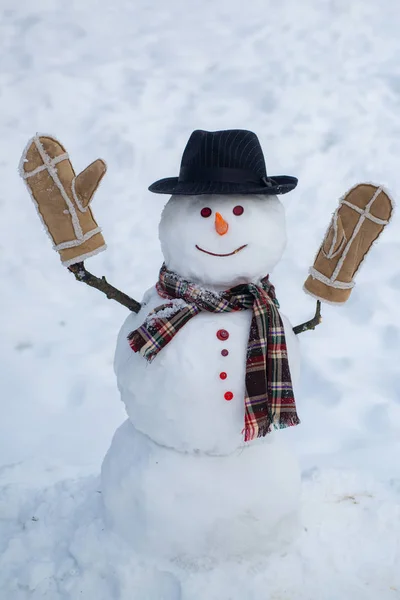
point(223, 375)
point(228, 396)
point(222, 334)
point(224, 352)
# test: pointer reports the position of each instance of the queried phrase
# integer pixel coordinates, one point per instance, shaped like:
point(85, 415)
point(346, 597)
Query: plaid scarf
point(269, 400)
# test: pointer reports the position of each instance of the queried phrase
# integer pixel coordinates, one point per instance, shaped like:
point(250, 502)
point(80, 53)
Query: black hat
point(223, 162)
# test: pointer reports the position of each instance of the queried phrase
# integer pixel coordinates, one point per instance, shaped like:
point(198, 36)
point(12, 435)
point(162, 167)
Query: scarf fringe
point(265, 428)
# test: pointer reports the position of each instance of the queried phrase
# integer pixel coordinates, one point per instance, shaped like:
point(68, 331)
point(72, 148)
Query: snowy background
point(319, 82)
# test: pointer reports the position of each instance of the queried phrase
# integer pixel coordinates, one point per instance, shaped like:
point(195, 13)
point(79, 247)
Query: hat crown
point(231, 149)
point(229, 161)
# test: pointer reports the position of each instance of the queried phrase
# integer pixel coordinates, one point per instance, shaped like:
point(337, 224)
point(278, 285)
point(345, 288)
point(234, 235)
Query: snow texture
point(320, 85)
point(171, 308)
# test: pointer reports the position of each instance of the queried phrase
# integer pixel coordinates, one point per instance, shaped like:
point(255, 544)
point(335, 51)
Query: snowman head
point(222, 240)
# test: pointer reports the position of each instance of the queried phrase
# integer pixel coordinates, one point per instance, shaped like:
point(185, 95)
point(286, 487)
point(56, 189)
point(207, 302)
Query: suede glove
point(62, 199)
point(362, 214)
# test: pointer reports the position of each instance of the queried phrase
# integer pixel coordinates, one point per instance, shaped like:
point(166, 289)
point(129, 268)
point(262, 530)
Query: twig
point(316, 320)
point(81, 274)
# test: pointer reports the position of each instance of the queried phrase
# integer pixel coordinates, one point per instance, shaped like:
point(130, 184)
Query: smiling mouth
point(229, 253)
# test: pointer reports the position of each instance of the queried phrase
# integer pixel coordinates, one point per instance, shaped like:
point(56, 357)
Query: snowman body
point(178, 480)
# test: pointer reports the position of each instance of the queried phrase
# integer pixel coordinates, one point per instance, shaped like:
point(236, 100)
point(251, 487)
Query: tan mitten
point(62, 199)
point(360, 218)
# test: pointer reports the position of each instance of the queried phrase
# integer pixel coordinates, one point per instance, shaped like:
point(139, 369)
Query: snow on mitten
point(62, 199)
point(360, 218)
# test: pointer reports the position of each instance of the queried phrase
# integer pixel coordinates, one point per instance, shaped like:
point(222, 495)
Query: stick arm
point(312, 323)
point(101, 284)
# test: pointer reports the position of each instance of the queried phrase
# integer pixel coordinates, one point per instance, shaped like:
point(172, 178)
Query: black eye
point(238, 210)
point(206, 212)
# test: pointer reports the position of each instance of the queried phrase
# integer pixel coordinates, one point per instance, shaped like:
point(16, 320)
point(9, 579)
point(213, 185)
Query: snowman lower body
point(193, 506)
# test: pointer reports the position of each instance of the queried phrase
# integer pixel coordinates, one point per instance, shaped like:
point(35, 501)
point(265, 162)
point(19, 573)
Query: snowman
point(208, 366)
point(207, 369)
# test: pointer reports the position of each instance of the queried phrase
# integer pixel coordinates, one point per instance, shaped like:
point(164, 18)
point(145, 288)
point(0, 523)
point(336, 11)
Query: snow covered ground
point(320, 84)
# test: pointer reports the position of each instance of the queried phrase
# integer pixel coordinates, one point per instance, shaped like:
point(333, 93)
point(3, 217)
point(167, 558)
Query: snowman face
point(222, 241)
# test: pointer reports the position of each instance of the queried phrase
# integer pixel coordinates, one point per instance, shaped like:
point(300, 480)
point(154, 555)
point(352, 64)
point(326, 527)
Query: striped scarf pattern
point(269, 400)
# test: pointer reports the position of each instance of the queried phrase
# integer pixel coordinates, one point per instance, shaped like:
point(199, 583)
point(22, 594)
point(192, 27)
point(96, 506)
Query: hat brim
point(281, 184)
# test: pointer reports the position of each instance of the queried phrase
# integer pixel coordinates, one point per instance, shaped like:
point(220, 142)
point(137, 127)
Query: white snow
point(320, 85)
point(170, 309)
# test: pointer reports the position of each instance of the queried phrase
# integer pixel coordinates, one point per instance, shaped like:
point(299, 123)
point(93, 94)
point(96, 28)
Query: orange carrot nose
point(221, 226)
